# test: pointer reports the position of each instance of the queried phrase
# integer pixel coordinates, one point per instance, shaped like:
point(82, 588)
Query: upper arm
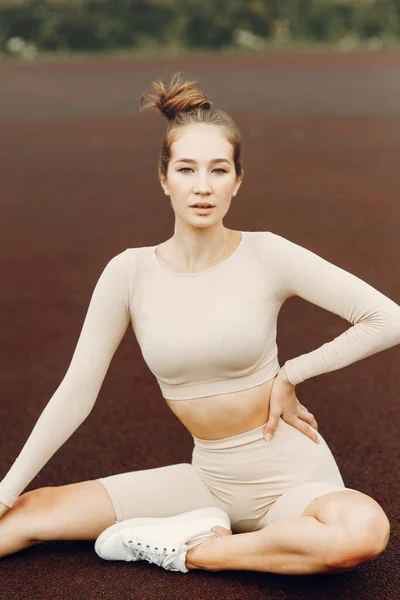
point(105, 324)
point(303, 273)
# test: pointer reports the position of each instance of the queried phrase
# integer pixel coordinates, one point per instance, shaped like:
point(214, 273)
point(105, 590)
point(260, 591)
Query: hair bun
point(181, 96)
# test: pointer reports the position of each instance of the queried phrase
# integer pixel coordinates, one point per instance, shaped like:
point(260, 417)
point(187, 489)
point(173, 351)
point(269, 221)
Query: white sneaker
point(162, 541)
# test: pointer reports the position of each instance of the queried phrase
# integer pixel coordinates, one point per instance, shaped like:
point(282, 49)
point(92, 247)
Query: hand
point(284, 403)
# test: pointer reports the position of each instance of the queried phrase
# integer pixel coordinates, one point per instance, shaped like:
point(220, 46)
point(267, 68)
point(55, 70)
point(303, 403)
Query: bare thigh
point(81, 511)
point(77, 511)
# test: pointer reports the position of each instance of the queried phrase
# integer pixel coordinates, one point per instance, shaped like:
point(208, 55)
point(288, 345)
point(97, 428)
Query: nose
point(202, 185)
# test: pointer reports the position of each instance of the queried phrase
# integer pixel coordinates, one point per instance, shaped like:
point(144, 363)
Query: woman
point(204, 307)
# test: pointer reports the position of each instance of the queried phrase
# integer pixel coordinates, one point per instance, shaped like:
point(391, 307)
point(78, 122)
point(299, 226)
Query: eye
point(185, 169)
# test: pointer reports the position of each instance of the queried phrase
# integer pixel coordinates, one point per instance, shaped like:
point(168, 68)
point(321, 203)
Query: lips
point(201, 205)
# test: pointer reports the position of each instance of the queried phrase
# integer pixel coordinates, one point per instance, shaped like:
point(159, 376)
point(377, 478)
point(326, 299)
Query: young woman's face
point(201, 169)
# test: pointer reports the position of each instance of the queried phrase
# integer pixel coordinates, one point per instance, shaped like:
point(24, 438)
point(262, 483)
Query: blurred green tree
point(203, 24)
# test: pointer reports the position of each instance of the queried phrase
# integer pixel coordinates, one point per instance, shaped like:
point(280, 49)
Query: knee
point(34, 508)
point(35, 498)
point(364, 541)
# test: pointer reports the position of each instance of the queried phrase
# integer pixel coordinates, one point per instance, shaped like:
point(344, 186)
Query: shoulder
point(265, 237)
point(280, 253)
point(131, 266)
point(128, 259)
point(120, 268)
point(269, 243)
point(120, 263)
point(277, 244)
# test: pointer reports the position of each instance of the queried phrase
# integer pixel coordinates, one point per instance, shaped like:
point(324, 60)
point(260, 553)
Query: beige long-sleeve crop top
point(205, 333)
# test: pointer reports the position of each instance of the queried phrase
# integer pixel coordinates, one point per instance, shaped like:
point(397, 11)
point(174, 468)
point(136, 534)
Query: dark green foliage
point(105, 24)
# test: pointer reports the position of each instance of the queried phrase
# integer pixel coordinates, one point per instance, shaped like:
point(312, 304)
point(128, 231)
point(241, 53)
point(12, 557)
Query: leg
point(160, 492)
point(81, 511)
point(78, 511)
point(336, 531)
point(362, 527)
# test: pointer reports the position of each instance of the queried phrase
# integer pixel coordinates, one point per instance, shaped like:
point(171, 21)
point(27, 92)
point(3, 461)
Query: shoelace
point(163, 558)
point(153, 554)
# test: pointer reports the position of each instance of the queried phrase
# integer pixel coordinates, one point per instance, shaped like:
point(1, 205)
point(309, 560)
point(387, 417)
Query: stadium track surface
point(78, 185)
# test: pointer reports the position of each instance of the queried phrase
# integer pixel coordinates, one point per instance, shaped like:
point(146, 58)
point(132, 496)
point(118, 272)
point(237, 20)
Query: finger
point(306, 429)
point(308, 418)
point(312, 423)
point(271, 425)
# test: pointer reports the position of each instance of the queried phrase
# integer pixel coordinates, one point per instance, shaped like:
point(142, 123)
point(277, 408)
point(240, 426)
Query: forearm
point(373, 334)
point(63, 414)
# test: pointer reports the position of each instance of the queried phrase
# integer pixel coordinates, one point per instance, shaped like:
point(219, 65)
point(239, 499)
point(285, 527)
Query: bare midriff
point(225, 415)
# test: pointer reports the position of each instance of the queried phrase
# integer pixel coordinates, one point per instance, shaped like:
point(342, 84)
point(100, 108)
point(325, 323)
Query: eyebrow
point(213, 162)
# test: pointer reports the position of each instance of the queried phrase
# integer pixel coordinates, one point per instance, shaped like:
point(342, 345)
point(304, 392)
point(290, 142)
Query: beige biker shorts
point(254, 481)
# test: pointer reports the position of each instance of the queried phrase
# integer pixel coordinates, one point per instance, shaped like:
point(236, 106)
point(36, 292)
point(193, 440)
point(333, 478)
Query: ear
point(238, 183)
point(163, 182)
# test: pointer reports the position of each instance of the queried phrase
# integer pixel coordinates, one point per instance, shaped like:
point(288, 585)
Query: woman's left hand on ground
point(284, 403)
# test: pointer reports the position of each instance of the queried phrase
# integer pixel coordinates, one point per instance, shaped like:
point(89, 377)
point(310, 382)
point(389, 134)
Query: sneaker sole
point(216, 513)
